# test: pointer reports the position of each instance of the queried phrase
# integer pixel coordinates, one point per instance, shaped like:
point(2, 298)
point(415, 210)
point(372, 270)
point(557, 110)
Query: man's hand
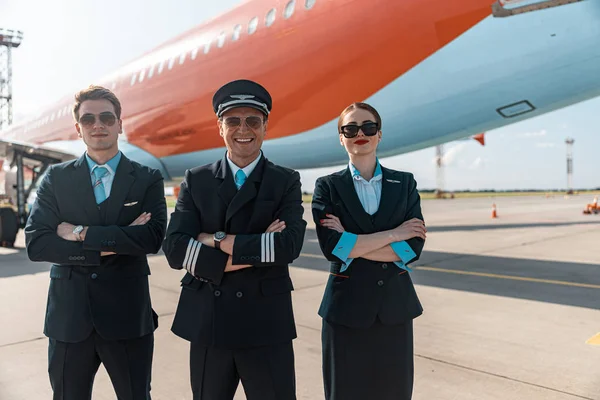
point(333, 222)
point(410, 229)
point(276, 226)
point(65, 231)
point(143, 219)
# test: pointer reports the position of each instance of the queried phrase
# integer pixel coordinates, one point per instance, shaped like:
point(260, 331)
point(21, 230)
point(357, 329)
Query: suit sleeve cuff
point(344, 247)
point(404, 251)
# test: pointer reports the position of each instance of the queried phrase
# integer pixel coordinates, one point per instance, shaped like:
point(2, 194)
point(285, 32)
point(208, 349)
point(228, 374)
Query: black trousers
point(73, 366)
point(373, 363)
point(267, 373)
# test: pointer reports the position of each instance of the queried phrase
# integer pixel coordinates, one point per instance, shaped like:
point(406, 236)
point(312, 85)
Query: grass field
point(306, 198)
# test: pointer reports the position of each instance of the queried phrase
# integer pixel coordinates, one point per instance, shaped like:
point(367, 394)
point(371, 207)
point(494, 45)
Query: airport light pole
point(9, 39)
point(569, 142)
point(439, 155)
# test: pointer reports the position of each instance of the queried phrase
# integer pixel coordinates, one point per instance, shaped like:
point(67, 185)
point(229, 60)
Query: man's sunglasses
point(253, 122)
point(106, 118)
point(368, 128)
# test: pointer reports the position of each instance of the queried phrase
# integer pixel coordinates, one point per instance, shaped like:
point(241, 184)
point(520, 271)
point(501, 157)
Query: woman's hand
point(332, 222)
point(410, 229)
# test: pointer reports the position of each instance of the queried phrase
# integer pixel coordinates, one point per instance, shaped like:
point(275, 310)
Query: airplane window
point(270, 18)
point(309, 4)
point(194, 53)
point(52, 117)
point(221, 39)
point(133, 78)
point(142, 75)
point(171, 62)
point(206, 48)
point(253, 25)
point(161, 66)
point(181, 58)
point(237, 31)
point(289, 9)
point(151, 72)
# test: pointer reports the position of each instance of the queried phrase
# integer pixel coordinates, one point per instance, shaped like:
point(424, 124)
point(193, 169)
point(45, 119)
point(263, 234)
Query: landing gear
point(14, 218)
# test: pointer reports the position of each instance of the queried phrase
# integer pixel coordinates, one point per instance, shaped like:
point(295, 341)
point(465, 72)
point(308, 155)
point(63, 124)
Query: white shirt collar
point(247, 169)
point(377, 176)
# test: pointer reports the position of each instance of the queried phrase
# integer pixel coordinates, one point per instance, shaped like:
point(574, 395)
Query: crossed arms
point(49, 238)
point(188, 246)
point(401, 245)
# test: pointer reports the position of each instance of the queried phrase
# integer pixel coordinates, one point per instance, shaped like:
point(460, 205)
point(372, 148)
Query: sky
point(69, 43)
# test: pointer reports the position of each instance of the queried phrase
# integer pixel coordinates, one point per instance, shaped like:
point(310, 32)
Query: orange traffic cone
point(494, 212)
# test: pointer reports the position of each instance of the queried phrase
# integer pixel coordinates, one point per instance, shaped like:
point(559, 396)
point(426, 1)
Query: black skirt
point(368, 364)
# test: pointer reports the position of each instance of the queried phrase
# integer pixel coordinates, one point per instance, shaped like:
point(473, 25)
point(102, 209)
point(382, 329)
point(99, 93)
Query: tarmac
point(512, 309)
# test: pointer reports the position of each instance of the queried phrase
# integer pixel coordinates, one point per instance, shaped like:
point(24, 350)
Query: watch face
point(219, 235)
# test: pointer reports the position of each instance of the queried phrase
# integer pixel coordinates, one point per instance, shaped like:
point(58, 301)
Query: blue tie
point(99, 172)
point(240, 178)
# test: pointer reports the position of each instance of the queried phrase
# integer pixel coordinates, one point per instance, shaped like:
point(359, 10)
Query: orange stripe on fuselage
point(314, 64)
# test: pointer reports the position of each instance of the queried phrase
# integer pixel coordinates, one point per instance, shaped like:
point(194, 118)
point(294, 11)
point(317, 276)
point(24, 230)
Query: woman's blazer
point(367, 289)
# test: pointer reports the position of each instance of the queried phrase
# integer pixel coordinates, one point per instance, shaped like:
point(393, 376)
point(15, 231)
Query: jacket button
point(94, 275)
point(379, 283)
point(239, 294)
point(217, 293)
point(384, 266)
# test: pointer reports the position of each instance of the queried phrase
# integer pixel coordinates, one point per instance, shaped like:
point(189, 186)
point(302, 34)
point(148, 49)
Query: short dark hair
point(94, 92)
point(362, 106)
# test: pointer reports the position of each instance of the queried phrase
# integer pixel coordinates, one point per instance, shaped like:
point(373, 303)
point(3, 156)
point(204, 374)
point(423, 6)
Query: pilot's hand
point(143, 219)
point(333, 222)
point(276, 226)
point(410, 229)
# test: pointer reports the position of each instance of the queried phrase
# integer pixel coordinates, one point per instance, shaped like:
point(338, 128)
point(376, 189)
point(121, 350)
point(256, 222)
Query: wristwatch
point(77, 232)
point(218, 236)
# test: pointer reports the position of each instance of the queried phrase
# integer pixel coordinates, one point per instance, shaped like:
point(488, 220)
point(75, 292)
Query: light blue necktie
point(99, 172)
point(240, 178)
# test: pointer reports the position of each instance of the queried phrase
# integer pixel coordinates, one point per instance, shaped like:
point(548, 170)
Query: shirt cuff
point(405, 252)
point(343, 248)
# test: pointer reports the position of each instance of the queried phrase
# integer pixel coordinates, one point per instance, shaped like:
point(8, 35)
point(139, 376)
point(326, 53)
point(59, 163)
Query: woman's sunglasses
point(106, 118)
point(368, 129)
point(253, 122)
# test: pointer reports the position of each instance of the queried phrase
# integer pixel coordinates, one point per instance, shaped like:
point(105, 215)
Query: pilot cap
point(241, 93)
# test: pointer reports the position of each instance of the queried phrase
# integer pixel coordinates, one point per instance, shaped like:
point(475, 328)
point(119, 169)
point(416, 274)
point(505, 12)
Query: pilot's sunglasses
point(106, 118)
point(368, 128)
point(253, 122)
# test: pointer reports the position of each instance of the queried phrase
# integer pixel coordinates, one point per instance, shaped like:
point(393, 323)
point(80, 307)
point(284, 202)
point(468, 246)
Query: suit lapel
point(390, 195)
point(82, 183)
point(345, 187)
point(124, 178)
point(227, 189)
point(247, 192)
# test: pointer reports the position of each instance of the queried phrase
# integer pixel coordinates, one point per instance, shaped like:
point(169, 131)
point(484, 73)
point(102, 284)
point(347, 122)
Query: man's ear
point(220, 126)
point(78, 129)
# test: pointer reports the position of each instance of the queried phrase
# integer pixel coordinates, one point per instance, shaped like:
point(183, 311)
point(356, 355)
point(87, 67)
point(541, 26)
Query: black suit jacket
point(367, 289)
point(252, 306)
point(86, 290)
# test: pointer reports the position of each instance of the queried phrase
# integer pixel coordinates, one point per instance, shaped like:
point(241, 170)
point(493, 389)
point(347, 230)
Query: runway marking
point(487, 275)
point(594, 340)
point(509, 277)
point(312, 256)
